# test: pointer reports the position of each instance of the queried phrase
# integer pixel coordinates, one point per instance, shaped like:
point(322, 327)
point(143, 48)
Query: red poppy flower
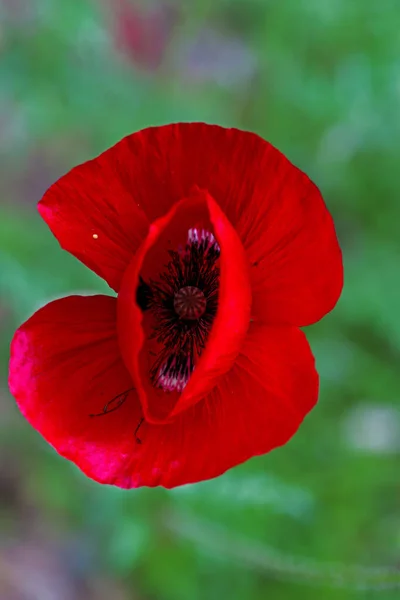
point(219, 250)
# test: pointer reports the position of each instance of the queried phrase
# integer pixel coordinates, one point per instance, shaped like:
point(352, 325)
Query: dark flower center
point(183, 303)
point(190, 303)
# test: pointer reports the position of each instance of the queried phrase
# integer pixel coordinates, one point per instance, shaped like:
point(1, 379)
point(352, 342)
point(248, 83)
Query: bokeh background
point(320, 79)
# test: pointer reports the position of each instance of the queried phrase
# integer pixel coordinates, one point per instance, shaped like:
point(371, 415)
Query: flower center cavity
point(183, 303)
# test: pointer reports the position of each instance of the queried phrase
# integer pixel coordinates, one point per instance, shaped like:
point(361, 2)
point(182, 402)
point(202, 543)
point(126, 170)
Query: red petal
point(230, 325)
point(297, 268)
point(93, 214)
point(256, 407)
point(277, 212)
point(64, 366)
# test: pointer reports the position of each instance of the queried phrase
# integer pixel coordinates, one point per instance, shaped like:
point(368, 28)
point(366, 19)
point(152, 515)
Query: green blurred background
point(320, 79)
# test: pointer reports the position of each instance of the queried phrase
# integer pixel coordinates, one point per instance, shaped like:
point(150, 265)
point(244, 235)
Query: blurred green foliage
point(321, 81)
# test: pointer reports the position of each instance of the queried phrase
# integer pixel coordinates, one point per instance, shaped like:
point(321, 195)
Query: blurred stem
point(216, 540)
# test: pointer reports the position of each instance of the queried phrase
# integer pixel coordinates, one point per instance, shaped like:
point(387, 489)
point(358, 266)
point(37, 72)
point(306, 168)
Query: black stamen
point(183, 339)
point(118, 400)
point(138, 440)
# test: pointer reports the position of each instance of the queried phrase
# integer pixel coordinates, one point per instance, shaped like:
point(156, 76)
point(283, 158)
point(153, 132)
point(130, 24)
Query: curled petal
point(231, 322)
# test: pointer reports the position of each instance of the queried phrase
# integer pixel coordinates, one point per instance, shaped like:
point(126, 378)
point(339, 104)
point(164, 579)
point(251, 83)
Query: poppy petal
point(276, 210)
point(256, 407)
point(64, 367)
point(94, 216)
point(297, 267)
point(230, 325)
